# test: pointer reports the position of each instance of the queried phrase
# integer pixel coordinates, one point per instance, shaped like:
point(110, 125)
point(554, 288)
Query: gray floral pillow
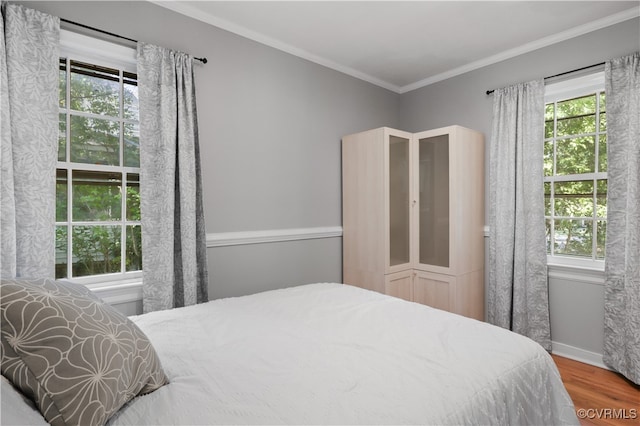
point(78, 358)
point(17, 372)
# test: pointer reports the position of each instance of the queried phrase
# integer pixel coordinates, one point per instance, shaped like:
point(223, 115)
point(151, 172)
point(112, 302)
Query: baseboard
point(578, 354)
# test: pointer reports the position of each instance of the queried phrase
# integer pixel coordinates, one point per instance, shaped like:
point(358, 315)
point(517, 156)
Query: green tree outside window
point(575, 182)
point(98, 227)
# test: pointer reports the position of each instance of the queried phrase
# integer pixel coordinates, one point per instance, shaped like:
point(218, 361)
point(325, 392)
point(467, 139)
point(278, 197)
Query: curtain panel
point(173, 232)
point(518, 293)
point(29, 45)
point(622, 264)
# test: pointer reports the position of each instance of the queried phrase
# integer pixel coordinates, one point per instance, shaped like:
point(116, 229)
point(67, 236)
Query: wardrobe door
point(433, 188)
point(398, 202)
point(400, 285)
point(435, 290)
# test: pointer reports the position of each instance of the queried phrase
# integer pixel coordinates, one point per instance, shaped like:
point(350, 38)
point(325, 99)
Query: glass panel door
point(433, 157)
point(399, 184)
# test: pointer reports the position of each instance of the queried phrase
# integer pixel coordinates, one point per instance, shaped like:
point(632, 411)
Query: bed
point(334, 354)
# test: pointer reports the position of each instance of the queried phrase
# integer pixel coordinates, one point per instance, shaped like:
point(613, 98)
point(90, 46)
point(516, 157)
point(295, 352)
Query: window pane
point(576, 116)
point(547, 198)
point(548, 129)
point(131, 145)
point(62, 137)
point(98, 126)
point(548, 158)
point(96, 250)
point(576, 125)
point(577, 106)
point(573, 199)
point(575, 155)
point(62, 86)
point(134, 248)
point(573, 237)
point(61, 252)
point(579, 206)
point(601, 238)
point(130, 96)
point(61, 195)
point(601, 198)
point(133, 196)
point(549, 111)
point(96, 196)
point(602, 153)
point(95, 89)
point(95, 141)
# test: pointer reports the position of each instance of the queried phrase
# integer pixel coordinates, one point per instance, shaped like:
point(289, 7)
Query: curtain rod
point(563, 73)
point(203, 60)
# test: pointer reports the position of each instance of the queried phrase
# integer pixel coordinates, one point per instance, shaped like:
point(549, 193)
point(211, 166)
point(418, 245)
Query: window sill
point(114, 289)
point(575, 263)
point(593, 274)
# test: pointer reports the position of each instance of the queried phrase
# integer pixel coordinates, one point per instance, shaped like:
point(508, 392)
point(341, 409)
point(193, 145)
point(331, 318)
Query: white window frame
point(92, 50)
point(556, 92)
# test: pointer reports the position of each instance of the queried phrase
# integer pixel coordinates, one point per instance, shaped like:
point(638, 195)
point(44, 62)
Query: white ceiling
point(403, 45)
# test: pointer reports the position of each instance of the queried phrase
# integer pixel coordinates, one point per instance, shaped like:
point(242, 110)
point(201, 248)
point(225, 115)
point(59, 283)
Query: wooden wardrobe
point(413, 216)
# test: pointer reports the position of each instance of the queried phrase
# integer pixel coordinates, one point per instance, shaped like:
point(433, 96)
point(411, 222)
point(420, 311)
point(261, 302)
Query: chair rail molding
point(224, 239)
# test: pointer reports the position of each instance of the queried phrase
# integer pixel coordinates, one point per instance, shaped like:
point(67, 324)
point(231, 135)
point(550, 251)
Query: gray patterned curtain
point(173, 233)
point(29, 43)
point(622, 265)
point(518, 293)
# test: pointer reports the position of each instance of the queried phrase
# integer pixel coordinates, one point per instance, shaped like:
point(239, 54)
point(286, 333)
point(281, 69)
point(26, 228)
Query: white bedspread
point(335, 354)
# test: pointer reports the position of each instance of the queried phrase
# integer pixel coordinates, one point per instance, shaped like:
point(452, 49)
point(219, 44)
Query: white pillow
point(16, 409)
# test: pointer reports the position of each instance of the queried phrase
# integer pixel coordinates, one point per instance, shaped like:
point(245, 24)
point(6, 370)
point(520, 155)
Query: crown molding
point(598, 24)
point(192, 12)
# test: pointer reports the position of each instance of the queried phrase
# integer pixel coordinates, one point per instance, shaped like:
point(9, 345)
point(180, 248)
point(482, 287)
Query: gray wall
point(576, 303)
point(270, 130)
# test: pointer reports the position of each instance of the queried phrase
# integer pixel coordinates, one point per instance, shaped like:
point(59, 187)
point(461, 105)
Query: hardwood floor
point(601, 397)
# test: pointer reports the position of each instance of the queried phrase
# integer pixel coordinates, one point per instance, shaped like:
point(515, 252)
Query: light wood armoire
point(413, 216)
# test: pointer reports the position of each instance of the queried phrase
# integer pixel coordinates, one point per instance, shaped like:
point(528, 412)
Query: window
point(575, 171)
point(97, 178)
